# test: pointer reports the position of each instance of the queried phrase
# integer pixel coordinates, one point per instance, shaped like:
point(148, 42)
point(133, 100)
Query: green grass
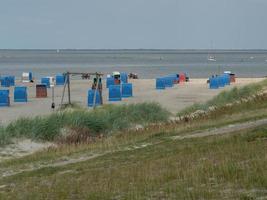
point(227, 97)
point(4, 138)
point(231, 166)
point(104, 120)
point(246, 111)
point(220, 167)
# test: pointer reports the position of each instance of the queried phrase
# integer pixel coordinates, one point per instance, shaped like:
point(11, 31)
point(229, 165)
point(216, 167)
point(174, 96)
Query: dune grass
point(4, 139)
point(246, 111)
point(219, 167)
point(231, 166)
point(254, 109)
point(227, 97)
point(103, 120)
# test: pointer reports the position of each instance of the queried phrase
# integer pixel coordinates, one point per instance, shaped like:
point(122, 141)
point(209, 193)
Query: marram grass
point(227, 97)
point(103, 120)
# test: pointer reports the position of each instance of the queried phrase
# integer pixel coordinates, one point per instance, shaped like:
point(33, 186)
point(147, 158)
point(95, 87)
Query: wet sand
point(174, 99)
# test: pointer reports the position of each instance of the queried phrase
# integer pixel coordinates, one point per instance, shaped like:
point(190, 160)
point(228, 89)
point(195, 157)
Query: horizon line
point(130, 49)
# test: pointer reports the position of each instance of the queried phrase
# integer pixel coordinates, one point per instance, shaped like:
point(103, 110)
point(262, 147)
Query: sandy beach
point(174, 99)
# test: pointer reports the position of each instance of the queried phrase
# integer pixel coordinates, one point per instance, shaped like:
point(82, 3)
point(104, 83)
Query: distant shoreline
point(159, 50)
point(146, 63)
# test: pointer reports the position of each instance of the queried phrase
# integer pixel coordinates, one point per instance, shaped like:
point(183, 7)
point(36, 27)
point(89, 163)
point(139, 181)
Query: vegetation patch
point(101, 121)
point(145, 163)
point(218, 167)
point(226, 97)
point(4, 138)
point(257, 135)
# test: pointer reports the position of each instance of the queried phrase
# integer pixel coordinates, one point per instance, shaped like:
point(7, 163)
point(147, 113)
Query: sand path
point(224, 130)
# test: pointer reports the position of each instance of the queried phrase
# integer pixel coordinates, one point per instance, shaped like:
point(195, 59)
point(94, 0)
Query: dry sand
point(174, 99)
point(21, 147)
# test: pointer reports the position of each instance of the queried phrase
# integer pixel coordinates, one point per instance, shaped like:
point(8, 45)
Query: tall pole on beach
point(53, 98)
point(96, 89)
point(68, 77)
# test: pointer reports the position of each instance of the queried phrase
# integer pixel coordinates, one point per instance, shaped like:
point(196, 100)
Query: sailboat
point(211, 58)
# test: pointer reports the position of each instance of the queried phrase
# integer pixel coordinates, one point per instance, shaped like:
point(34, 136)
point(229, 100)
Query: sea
point(146, 63)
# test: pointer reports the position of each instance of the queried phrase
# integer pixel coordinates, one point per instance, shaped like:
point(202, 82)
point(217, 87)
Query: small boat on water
point(211, 58)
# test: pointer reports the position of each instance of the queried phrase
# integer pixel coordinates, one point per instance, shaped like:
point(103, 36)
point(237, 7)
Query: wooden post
point(53, 98)
point(97, 79)
point(67, 81)
point(64, 89)
point(68, 77)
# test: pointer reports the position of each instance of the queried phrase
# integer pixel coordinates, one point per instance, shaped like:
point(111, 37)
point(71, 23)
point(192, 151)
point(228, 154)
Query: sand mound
point(21, 148)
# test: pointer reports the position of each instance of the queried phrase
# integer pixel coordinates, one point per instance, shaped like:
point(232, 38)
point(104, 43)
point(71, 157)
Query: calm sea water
point(147, 63)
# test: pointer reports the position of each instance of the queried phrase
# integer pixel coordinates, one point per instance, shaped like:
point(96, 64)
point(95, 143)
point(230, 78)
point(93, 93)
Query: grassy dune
point(152, 163)
point(226, 97)
point(231, 167)
point(101, 121)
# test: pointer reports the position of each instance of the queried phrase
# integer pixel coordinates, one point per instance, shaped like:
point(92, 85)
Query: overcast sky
point(108, 24)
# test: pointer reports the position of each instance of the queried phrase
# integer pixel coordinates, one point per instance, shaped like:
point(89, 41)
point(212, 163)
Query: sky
point(133, 24)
